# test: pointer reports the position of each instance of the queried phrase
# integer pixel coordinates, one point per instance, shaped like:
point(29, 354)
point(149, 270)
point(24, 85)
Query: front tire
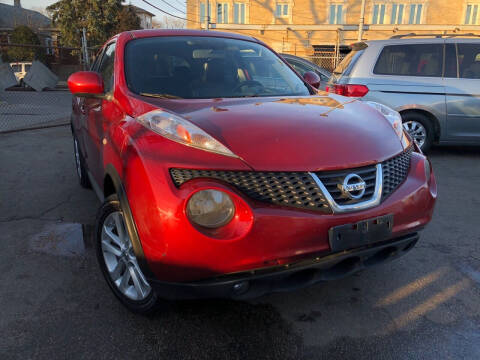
point(118, 262)
point(420, 129)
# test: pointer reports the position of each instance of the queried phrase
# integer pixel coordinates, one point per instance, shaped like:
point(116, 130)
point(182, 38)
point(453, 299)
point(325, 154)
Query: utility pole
point(85, 48)
point(362, 20)
point(207, 18)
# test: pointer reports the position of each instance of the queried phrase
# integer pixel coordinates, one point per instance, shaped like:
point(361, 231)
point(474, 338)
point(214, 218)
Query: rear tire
point(420, 128)
point(118, 262)
point(80, 165)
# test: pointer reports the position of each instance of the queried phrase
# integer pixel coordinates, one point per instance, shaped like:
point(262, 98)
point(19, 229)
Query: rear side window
point(410, 60)
point(469, 61)
point(347, 64)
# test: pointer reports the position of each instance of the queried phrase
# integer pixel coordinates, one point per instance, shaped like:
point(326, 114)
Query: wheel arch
point(113, 185)
point(429, 115)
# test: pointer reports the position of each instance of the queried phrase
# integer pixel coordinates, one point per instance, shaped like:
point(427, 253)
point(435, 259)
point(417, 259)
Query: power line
point(169, 14)
point(173, 7)
point(181, 3)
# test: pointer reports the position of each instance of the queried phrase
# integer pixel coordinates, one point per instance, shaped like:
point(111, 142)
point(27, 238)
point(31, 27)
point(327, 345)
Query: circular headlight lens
point(210, 208)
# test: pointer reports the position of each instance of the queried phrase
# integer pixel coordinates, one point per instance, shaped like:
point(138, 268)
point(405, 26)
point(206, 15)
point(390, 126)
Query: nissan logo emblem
point(353, 186)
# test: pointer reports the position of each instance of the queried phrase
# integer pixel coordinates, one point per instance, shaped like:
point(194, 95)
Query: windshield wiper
point(161, 96)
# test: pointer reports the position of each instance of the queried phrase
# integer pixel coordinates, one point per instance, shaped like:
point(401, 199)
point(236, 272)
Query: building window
point(415, 14)
point(471, 14)
point(378, 15)
point(203, 14)
point(239, 13)
point(282, 10)
point(222, 13)
point(48, 44)
point(336, 14)
point(397, 14)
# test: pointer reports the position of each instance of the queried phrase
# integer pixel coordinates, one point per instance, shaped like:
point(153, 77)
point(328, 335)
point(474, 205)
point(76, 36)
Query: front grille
point(332, 180)
point(296, 189)
point(395, 171)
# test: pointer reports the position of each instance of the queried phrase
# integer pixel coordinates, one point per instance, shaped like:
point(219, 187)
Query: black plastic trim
point(257, 282)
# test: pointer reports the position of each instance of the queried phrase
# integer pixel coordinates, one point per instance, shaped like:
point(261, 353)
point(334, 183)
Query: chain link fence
point(21, 110)
point(21, 107)
point(326, 60)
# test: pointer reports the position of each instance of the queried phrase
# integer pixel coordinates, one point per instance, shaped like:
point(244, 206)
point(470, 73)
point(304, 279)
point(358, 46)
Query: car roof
point(187, 32)
point(294, 57)
point(419, 40)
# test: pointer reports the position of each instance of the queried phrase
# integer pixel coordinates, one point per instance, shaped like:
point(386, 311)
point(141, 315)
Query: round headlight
point(210, 208)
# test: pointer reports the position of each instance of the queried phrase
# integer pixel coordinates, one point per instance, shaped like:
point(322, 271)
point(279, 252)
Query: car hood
point(296, 133)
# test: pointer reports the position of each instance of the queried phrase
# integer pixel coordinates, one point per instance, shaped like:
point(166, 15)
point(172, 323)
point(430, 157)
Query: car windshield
point(207, 67)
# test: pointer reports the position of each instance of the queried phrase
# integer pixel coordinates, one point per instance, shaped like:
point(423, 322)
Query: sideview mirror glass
point(86, 84)
point(312, 78)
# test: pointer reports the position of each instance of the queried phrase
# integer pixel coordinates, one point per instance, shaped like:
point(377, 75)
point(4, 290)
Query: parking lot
point(55, 303)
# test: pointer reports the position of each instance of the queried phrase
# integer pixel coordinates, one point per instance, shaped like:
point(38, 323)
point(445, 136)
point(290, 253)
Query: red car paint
point(319, 132)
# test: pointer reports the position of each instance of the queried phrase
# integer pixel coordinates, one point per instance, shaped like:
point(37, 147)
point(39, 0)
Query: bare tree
point(169, 23)
point(41, 10)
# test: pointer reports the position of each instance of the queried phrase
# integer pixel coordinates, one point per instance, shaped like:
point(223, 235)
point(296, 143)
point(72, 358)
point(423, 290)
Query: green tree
point(98, 17)
point(127, 20)
point(25, 36)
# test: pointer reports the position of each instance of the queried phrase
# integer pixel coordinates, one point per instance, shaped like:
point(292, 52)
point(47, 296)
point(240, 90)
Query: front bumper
point(254, 283)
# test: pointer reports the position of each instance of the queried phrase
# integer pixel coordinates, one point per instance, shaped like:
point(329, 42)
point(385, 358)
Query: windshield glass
point(207, 67)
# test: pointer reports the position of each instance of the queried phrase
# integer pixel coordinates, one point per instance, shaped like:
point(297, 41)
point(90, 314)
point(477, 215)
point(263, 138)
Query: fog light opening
point(210, 208)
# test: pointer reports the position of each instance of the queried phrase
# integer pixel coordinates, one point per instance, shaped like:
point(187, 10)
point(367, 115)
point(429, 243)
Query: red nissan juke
point(224, 173)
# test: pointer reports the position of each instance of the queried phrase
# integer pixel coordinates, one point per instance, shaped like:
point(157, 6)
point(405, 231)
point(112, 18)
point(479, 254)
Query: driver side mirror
point(312, 78)
point(87, 84)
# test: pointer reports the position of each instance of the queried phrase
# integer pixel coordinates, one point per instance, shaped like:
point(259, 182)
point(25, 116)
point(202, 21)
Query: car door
point(80, 113)
point(94, 125)
point(462, 88)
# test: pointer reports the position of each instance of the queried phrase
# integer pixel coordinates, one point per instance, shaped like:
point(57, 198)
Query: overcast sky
point(179, 4)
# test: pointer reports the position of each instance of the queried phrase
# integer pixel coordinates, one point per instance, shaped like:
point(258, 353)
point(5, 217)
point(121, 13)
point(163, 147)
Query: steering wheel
point(247, 83)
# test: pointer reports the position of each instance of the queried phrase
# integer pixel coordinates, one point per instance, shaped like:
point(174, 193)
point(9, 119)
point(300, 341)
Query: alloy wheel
point(120, 260)
point(417, 131)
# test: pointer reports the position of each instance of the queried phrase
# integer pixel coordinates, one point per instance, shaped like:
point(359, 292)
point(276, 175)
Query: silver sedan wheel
point(120, 259)
point(417, 131)
point(77, 158)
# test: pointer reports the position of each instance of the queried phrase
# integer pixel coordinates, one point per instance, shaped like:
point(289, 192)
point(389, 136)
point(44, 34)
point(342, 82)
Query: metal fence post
point(85, 49)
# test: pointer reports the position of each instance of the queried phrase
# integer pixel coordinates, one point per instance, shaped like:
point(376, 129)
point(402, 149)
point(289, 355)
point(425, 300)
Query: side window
point(410, 60)
point(301, 68)
point(450, 61)
point(106, 67)
point(96, 62)
point(469, 61)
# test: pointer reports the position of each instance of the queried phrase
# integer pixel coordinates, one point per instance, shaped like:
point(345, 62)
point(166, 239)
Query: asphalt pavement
point(55, 304)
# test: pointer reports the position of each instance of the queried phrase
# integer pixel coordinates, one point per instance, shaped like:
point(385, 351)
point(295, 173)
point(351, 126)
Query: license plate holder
point(359, 234)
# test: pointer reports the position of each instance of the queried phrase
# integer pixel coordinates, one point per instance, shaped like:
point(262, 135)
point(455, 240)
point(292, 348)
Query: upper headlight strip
point(182, 131)
point(394, 118)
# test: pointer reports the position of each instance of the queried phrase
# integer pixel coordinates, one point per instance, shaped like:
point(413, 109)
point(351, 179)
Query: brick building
point(305, 27)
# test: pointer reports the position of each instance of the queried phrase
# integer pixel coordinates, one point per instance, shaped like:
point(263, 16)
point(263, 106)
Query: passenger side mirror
point(312, 78)
point(87, 84)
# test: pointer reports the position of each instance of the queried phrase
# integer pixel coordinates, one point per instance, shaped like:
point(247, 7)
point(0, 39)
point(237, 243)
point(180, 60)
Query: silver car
point(433, 82)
